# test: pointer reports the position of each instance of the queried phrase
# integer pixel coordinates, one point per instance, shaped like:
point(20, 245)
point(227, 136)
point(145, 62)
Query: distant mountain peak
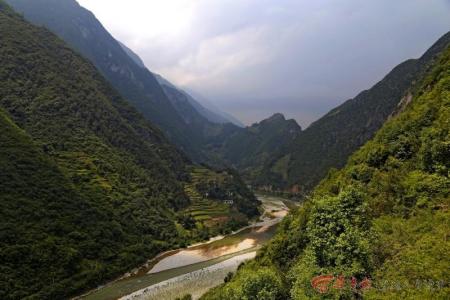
point(277, 117)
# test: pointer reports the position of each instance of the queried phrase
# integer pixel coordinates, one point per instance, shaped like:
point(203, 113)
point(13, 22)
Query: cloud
point(256, 57)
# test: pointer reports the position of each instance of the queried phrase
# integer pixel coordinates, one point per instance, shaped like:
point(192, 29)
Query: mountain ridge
point(251, 146)
point(211, 116)
point(329, 141)
point(80, 29)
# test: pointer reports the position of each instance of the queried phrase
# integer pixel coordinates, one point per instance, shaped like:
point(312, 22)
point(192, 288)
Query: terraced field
point(206, 210)
point(203, 209)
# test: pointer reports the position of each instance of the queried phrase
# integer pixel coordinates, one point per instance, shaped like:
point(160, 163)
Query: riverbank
point(195, 283)
point(175, 263)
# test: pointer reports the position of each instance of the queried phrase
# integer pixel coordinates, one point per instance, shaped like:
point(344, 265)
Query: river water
point(198, 268)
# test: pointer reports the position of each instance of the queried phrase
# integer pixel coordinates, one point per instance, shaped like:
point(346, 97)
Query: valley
point(116, 183)
point(199, 267)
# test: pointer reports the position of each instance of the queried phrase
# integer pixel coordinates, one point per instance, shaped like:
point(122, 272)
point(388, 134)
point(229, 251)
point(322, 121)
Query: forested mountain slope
point(89, 188)
point(118, 174)
point(382, 219)
point(82, 31)
point(328, 142)
point(248, 148)
point(42, 212)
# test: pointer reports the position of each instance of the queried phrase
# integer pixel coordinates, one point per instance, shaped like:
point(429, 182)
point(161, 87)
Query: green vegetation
point(88, 188)
point(42, 212)
point(94, 215)
point(250, 147)
point(384, 216)
point(219, 202)
point(260, 283)
point(328, 142)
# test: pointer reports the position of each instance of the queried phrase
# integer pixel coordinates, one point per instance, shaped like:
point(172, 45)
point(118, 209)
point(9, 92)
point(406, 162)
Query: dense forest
point(88, 187)
point(378, 227)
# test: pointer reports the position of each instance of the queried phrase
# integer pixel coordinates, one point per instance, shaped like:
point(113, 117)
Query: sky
point(253, 58)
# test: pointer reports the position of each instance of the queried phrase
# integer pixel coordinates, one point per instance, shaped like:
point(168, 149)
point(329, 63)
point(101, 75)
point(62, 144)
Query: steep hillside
point(213, 108)
point(82, 31)
point(168, 87)
point(118, 174)
point(53, 216)
point(183, 102)
point(248, 148)
point(381, 220)
point(210, 115)
point(89, 189)
point(134, 56)
point(328, 142)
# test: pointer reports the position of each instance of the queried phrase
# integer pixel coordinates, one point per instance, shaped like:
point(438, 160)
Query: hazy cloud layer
point(255, 57)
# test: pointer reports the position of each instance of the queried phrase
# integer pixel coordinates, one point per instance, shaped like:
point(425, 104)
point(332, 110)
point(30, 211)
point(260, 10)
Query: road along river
point(196, 269)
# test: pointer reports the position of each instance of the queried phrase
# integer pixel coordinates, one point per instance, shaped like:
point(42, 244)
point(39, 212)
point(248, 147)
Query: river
point(196, 269)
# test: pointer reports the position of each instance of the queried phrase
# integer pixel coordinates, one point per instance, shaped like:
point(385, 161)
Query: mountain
point(187, 106)
point(122, 68)
point(250, 147)
point(211, 116)
point(133, 56)
point(89, 189)
point(211, 113)
point(328, 142)
point(211, 107)
point(198, 131)
point(376, 229)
